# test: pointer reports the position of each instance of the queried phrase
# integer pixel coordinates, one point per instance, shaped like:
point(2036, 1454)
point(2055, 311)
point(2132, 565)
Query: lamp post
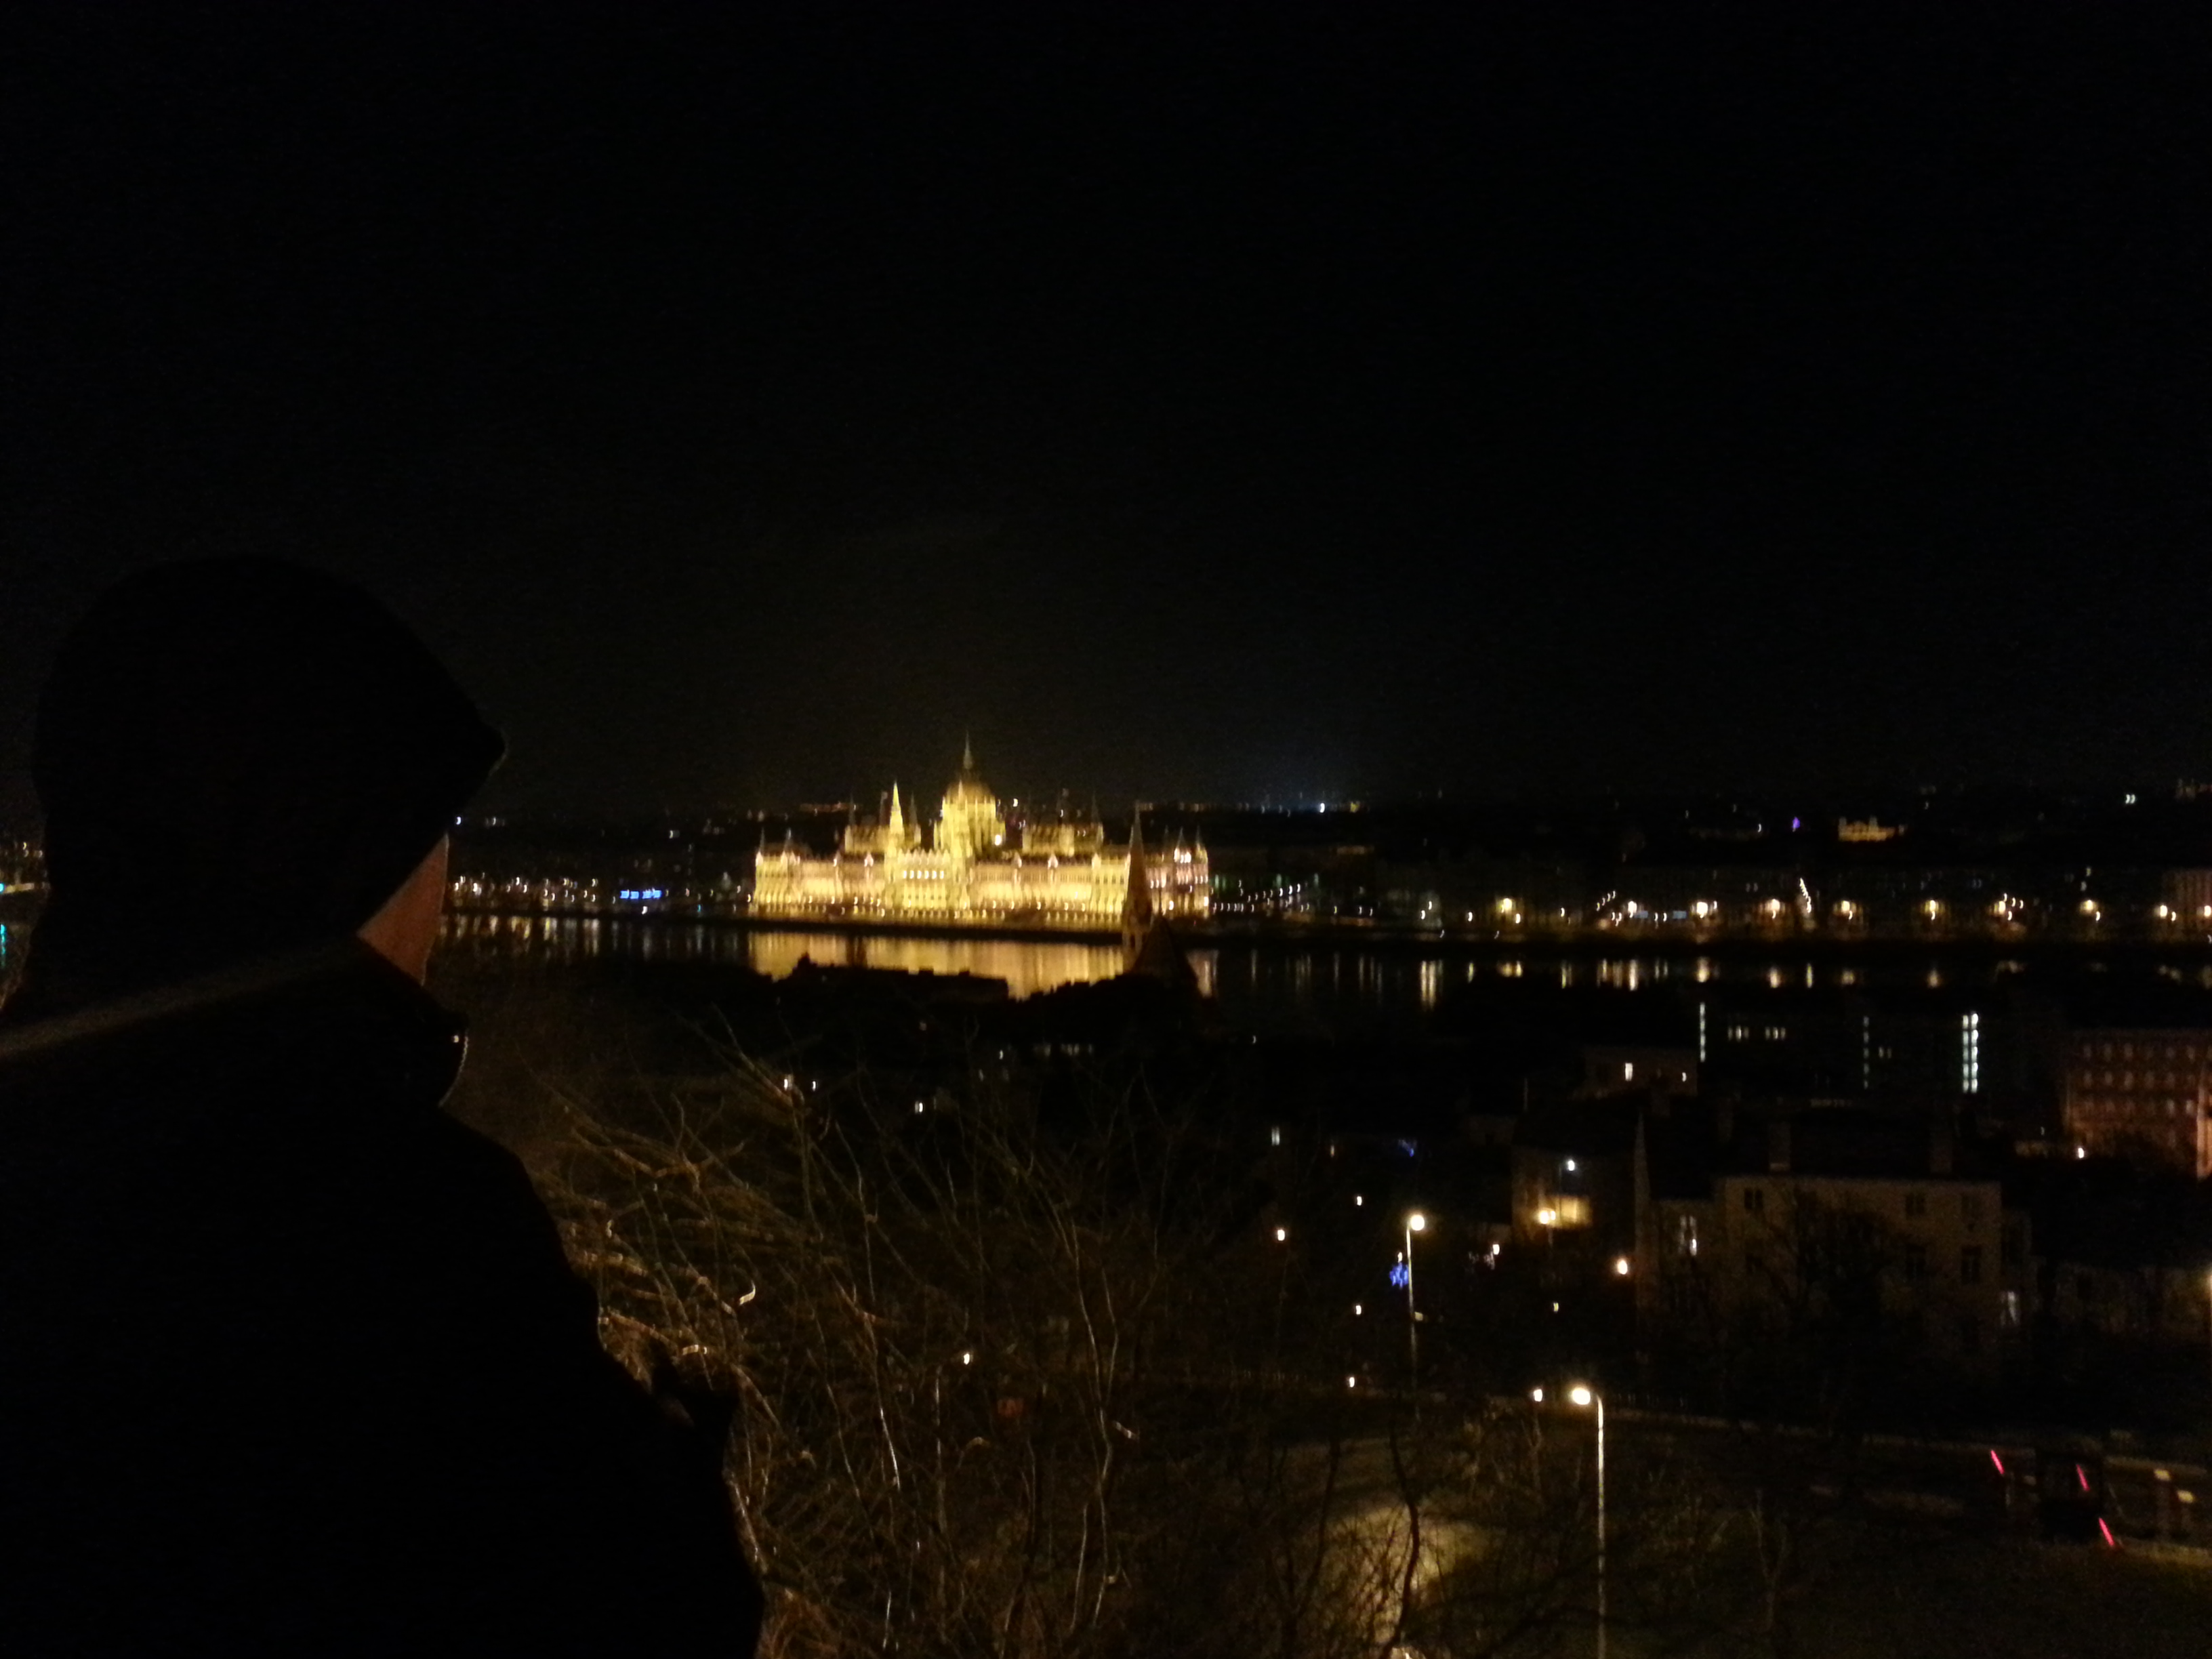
point(1415, 1222)
point(1582, 1394)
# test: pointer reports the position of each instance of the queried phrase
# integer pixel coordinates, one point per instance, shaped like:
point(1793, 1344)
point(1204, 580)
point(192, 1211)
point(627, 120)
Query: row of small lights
point(1416, 1222)
point(2006, 909)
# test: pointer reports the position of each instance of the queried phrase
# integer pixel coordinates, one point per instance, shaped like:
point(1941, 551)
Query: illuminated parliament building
point(976, 871)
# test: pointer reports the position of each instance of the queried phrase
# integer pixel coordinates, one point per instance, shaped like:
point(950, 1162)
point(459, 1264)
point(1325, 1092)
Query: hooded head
point(236, 757)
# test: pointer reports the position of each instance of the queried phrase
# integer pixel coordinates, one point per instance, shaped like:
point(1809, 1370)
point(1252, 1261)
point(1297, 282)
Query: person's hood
point(236, 758)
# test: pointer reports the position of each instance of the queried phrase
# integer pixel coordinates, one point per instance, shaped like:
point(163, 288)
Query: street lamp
point(1415, 1223)
point(1582, 1394)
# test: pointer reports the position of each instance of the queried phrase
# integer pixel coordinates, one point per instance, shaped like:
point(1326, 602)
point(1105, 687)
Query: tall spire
point(1147, 945)
point(1137, 901)
point(898, 818)
point(967, 753)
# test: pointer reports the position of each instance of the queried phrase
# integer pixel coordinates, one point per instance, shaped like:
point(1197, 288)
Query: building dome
point(968, 789)
point(974, 869)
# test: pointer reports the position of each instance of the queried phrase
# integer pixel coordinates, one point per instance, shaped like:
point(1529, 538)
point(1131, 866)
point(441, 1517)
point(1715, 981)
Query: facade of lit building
point(2142, 1090)
point(1743, 1229)
point(976, 869)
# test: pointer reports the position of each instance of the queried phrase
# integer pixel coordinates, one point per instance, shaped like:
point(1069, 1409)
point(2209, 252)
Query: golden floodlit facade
point(976, 871)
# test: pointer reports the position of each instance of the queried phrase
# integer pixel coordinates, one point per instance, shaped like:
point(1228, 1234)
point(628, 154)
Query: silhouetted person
point(290, 1361)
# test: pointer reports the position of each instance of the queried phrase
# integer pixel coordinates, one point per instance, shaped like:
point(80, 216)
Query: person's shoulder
point(477, 1168)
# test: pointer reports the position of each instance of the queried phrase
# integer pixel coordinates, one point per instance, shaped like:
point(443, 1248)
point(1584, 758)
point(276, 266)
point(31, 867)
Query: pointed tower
point(1137, 897)
point(1148, 946)
point(969, 827)
point(890, 882)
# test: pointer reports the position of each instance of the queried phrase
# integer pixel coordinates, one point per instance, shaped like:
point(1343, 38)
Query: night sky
point(1190, 401)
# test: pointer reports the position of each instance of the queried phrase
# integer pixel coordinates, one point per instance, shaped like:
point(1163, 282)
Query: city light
point(1581, 1394)
point(1620, 1266)
point(1415, 1222)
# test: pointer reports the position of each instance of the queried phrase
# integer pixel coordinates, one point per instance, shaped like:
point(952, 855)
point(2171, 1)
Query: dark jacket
point(291, 1362)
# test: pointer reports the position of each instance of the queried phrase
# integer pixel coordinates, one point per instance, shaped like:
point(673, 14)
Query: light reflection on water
point(1028, 966)
point(1299, 981)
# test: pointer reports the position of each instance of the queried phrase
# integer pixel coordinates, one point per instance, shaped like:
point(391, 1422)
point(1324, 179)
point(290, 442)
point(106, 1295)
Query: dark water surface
point(1265, 981)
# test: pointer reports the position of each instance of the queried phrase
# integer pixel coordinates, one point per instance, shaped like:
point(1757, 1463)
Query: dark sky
point(1189, 401)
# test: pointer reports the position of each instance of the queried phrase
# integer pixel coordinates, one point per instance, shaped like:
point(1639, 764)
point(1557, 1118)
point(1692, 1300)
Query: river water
point(1265, 982)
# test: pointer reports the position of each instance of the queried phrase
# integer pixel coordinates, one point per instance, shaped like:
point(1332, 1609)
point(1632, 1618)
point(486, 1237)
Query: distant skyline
point(1189, 402)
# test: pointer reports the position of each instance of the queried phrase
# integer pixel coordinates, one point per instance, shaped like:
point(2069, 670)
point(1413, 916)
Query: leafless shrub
point(1014, 1382)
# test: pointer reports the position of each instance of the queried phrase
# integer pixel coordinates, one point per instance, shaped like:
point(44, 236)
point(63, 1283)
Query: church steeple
point(1147, 945)
point(1137, 901)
